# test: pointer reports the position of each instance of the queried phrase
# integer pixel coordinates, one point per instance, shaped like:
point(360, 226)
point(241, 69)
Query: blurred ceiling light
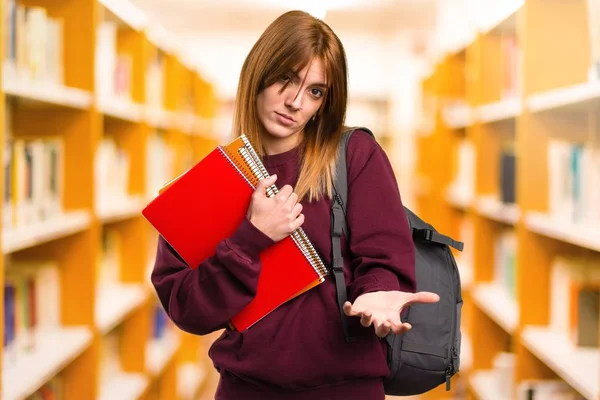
point(317, 8)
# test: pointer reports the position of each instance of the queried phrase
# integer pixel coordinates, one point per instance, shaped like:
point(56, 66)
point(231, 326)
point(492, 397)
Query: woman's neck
point(274, 145)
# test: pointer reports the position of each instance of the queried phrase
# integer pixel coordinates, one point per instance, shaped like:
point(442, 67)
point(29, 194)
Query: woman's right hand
point(277, 216)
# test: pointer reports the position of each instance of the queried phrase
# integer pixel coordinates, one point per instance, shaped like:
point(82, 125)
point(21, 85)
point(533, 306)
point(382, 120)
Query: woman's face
point(287, 105)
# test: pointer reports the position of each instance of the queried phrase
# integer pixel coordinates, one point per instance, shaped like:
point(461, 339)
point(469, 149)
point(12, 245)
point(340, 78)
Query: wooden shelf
point(121, 209)
point(54, 351)
point(495, 302)
point(127, 13)
point(466, 353)
point(115, 302)
point(458, 116)
point(124, 386)
point(493, 209)
point(500, 111)
point(579, 367)
point(579, 235)
point(581, 97)
point(458, 198)
point(484, 385)
point(161, 119)
point(46, 93)
point(190, 377)
point(159, 352)
point(502, 18)
point(54, 228)
point(121, 109)
point(465, 269)
point(185, 122)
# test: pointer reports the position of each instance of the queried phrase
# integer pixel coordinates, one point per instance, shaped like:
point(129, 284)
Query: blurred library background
point(488, 109)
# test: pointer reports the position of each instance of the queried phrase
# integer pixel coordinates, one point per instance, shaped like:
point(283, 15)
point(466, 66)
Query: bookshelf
point(99, 110)
point(511, 151)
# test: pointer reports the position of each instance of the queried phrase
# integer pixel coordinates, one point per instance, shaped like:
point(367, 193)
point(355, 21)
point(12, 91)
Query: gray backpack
point(429, 353)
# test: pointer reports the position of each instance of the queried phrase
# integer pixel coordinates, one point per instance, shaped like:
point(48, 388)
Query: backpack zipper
point(453, 350)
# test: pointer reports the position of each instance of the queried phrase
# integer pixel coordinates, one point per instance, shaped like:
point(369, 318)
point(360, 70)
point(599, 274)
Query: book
point(206, 204)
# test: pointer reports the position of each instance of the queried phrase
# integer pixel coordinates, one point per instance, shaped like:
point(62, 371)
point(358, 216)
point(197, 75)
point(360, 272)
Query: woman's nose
point(293, 99)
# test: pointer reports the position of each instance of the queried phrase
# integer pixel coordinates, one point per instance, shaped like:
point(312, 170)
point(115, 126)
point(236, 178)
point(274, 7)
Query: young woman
point(291, 103)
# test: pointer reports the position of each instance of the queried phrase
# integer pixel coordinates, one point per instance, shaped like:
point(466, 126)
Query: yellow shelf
point(121, 209)
point(499, 111)
point(484, 384)
point(579, 235)
point(125, 11)
point(190, 378)
point(459, 116)
point(57, 227)
point(46, 93)
point(115, 302)
point(495, 210)
point(121, 109)
point(124, 386)
point(54, 351)
point(580, 97)
point(159, 352)
point(579, 367)
point(496, 303)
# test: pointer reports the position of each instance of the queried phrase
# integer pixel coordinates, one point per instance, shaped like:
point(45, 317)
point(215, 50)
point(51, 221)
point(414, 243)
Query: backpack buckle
point(423, 234)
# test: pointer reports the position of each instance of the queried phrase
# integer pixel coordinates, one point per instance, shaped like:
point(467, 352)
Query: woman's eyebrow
point(296, 78)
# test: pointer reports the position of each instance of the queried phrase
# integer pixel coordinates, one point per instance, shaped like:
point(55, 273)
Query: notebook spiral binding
point(251, 158)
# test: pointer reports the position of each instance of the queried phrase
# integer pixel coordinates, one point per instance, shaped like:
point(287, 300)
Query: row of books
point(160, 166)
point(109, 263)
point(110, 355)
point(575, 299)
point(574, 182)
point(503, 366)
point(505, 262)
point(34, 43)
point(114, 70)
point(33, 181)
point(511, 58)
point(463, 182)
point(112, 169)
point(31, 305)
point(51, 390)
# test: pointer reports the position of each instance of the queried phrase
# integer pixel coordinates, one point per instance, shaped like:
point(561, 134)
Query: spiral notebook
point(206, 204)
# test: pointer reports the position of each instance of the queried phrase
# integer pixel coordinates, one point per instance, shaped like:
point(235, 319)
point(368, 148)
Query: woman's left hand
point(383, 308)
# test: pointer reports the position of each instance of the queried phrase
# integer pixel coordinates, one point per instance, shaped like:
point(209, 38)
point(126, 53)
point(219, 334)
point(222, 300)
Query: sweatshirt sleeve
point(380, 239)
point(204, 299)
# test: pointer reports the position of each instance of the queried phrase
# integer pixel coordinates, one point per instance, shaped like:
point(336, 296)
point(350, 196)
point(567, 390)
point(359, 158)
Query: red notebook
point(206, 204)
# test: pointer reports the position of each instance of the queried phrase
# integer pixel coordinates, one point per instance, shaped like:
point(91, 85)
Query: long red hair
point(288, 44)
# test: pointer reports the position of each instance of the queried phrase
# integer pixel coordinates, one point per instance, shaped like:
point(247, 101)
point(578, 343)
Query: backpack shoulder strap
point(338, 224)
point(340, 184)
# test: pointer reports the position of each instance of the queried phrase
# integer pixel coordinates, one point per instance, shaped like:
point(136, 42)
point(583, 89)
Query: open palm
point(383, 308)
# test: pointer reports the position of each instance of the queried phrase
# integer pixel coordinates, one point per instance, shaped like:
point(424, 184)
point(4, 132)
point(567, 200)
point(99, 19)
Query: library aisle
point(517, 105)
point(99, 109)
point(100, 105)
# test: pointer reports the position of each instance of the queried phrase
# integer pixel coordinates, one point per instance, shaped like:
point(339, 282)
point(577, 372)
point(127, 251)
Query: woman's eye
point(285, 78)
point(316, 92)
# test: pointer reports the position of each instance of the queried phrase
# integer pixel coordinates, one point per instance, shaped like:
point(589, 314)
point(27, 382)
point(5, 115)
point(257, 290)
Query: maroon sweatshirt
point(298, 351)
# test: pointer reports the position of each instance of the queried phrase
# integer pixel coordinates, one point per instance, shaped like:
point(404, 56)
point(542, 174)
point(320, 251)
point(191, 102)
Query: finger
point(423, 297)
point(297, 223)
point(291, 201)
point(348, 310)
point(266, 182)
point(383, 329)
point(284, 193)
point(366, 319)
point(296, 210)
point(401, 328)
